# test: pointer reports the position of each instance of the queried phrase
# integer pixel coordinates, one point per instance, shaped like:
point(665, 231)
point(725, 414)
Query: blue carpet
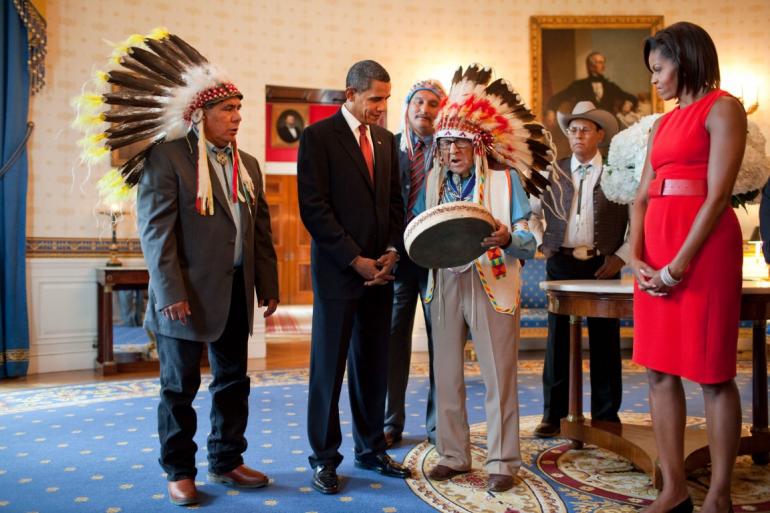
point(94, 448)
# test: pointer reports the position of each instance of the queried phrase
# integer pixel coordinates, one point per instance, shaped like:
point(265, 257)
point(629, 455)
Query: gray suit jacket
point(190, 256)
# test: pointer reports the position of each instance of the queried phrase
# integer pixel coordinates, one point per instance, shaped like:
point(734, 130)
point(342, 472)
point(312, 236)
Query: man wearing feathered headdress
point(415, 155)
point(479, 120)
point(588, 244)
point(205, 233)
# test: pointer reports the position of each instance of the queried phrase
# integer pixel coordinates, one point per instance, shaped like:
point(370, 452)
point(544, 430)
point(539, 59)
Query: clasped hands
point(376, 272)
point(649, 279)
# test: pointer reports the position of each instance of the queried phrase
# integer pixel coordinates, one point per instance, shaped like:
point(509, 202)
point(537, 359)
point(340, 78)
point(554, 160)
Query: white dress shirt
point(580, 230)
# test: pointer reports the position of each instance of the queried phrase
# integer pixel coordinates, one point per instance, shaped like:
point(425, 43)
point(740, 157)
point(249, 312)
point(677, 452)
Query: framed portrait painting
point(594, 58)
point(287, 121)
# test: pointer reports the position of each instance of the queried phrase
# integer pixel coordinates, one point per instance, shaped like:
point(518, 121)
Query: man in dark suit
point(415, 155)
point(206, 259)
point(764, 221)
point(590, 244)
point(350, 202)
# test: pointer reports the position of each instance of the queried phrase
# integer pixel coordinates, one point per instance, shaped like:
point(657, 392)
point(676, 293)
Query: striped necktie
point(416, 177)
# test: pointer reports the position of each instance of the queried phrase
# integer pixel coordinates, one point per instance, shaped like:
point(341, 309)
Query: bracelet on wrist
point(667, 279)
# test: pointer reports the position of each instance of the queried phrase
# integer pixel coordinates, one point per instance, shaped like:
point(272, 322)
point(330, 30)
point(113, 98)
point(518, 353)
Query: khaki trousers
point(459, 303)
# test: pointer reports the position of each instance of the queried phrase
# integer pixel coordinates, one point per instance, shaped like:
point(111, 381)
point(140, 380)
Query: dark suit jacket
point(404, 166)
point(344, 212)
point(580, 90)
point(764, 221)
point(190, 256)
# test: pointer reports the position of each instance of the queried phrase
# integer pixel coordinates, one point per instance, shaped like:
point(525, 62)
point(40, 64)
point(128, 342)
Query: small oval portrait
point(289, 126)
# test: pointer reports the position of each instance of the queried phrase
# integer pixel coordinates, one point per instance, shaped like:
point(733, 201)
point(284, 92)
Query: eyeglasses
point(585, 130)
point(445, 144)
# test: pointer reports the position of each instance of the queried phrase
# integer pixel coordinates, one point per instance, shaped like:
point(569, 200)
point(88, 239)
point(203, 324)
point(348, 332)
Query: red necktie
point(416, 177)
point(366, 149)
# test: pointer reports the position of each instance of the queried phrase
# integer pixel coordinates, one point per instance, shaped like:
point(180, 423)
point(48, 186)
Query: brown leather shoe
point(182, 492)
point(547, 430)
point(241, 477)
point(442, 473)
point(499, 482)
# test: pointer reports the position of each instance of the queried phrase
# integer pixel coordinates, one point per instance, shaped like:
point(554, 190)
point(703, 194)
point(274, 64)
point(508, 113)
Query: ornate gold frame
point(538, 23)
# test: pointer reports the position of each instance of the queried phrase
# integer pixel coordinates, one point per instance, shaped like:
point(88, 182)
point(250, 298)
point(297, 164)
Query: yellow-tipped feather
point(90, 102)
point(113, 190)
point(92, 140)
point(87, 121)
point(121, 48)
point(95, 153)
point(158, 33)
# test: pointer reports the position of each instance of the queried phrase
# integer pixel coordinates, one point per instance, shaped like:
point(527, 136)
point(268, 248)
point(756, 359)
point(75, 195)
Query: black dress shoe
point(325, 479)
point(391, 438)
point(685, 506)
point(385, 465)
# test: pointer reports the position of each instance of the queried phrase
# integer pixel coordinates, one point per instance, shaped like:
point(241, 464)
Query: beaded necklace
point(454, 187)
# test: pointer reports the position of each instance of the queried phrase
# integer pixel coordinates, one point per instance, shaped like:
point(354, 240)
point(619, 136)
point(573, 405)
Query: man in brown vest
point(589, 245)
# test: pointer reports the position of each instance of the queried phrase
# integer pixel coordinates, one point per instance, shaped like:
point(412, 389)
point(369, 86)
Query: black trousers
point(180, 378)
point(409, 287)
point(353, 331)
point(603, 344)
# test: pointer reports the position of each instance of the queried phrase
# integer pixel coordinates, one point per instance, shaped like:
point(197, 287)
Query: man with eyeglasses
point(589, 245)
point(415, 143)
point(474, 133)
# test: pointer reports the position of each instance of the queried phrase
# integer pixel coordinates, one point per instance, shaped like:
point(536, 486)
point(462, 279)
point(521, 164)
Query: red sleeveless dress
point(693, 331)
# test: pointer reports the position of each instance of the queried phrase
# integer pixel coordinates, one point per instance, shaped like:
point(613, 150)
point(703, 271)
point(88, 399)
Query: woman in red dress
point(686, 255)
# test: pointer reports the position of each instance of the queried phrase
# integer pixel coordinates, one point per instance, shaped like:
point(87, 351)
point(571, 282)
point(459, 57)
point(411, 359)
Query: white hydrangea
point(755, 168)
point(628, 149)
point(625, 161)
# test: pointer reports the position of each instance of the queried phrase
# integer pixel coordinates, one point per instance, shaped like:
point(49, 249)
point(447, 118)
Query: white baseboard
point(61, 300)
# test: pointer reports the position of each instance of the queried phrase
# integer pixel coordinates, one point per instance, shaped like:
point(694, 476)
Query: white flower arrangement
point(755, 168)
point(628, 149)
point(625, 161)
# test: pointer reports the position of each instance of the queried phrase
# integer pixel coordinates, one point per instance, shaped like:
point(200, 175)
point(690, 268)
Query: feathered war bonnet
point(164, 86)
point(493, 116)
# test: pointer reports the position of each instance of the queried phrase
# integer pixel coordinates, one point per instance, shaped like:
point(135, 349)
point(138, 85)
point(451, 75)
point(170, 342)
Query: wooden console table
point(109, 279)
point(614, 299)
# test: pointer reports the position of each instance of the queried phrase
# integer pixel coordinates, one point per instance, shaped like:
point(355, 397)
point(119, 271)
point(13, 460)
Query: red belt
point(678, 187)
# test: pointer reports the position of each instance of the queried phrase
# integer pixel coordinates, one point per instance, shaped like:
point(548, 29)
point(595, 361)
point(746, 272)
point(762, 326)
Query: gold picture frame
point(559, 50)
point(297, 115)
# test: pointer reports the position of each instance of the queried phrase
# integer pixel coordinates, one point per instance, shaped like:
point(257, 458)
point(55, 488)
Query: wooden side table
point(614, 299)
point(109, 279)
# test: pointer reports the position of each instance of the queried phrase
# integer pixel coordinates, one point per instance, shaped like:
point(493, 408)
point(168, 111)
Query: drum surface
point(448, 235)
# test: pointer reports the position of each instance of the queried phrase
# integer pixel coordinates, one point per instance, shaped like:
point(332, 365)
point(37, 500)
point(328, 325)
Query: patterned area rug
point(556, 479)
point(94, 448)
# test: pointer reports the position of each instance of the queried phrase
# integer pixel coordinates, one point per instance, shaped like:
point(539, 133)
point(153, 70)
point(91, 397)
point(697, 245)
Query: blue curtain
point(14, 96)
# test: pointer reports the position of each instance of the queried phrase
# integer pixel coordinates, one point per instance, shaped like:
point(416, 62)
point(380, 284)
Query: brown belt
point(678, 187)
point(579, 253)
